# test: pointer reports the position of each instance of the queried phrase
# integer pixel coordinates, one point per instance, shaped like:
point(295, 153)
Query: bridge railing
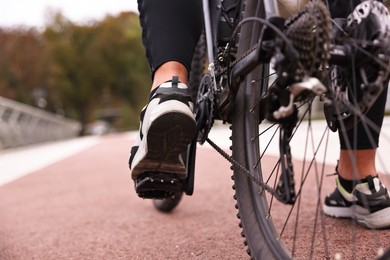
point(21, 125)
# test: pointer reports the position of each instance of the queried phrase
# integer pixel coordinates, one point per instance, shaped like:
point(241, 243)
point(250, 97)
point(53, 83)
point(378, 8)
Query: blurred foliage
point(85, 72)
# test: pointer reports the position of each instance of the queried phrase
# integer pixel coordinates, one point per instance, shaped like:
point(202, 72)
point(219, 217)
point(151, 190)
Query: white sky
point(32, 12)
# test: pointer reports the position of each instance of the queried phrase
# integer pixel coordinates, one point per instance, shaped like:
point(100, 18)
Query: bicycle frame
point(212, 14)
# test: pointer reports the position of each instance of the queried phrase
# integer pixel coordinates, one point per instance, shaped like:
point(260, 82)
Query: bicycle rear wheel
point(273, 230)
point(260, 235)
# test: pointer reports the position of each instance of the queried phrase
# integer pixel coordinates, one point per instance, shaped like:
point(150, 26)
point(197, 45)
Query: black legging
point(171, 29)
point(359, 137)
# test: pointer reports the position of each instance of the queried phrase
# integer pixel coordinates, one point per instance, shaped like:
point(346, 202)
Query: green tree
point(95, 59)
point(120, 45)
point(24, 63)
point(83, 70)
point(77, 70)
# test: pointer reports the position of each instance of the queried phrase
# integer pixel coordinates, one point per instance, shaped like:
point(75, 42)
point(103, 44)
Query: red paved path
point(84, 207)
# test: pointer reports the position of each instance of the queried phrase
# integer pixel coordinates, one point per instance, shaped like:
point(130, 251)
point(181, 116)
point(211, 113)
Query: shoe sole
point(168, 136)
point(338, 212)
point(376, 220)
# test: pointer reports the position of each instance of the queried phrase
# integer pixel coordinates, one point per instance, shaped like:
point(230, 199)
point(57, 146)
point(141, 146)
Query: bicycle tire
point(166, 205)
point(261, 236)
point(197, 66)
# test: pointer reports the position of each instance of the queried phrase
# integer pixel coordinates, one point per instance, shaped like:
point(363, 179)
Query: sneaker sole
point(338, 212)
point(376, 220)
point(168, 136)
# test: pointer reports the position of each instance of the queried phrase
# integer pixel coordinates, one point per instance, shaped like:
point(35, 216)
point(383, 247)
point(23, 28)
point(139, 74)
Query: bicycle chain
point(263, 186)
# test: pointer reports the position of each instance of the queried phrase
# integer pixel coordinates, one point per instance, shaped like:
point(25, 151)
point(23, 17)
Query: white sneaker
point(368, 203)
point(167, 128)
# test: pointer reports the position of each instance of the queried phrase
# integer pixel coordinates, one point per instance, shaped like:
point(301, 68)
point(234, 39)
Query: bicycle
point(311, 57)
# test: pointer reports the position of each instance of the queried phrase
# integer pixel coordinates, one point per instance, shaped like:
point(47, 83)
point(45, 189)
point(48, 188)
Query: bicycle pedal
point(158, 185)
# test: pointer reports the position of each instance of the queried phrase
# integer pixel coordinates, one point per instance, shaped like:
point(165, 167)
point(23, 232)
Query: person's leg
point(171, 29)
point(357, 164)
point(167, 70)
point(358, 145)
point(359, 193)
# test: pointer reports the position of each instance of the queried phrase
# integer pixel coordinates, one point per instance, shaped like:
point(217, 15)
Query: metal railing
point(21, 125)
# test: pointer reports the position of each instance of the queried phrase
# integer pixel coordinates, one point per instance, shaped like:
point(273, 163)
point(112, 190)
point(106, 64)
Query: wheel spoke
point(302, 228)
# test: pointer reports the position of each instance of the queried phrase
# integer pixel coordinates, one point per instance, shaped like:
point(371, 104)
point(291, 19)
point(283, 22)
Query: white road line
point(19, 162)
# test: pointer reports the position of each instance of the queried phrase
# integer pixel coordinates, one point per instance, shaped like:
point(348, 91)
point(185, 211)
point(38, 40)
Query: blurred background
point(70, 68)
point(80, 63)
